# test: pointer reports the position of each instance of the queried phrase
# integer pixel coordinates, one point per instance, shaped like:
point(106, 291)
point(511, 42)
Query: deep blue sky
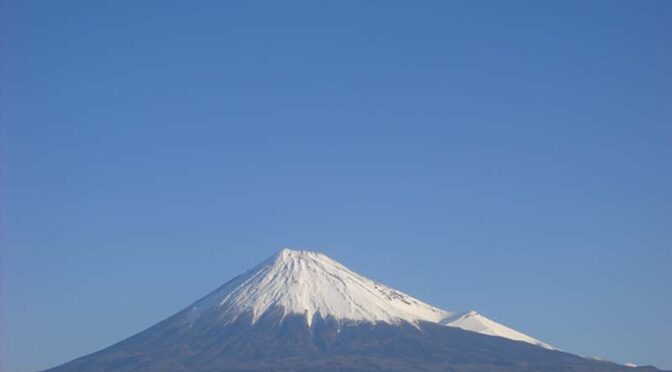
point(509, 157)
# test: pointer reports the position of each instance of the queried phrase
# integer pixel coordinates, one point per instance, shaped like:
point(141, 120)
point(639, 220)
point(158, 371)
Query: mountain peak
point(285, 252)
point(312, 284)
point(286, 255)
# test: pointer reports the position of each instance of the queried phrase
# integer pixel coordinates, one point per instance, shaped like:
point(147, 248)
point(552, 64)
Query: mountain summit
point(313, 285)
point(303, 311)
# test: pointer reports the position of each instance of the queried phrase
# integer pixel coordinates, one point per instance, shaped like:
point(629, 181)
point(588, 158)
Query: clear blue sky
point(509, 157)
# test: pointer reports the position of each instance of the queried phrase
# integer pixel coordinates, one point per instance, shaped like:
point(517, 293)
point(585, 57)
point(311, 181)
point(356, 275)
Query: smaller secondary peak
point(475, 322)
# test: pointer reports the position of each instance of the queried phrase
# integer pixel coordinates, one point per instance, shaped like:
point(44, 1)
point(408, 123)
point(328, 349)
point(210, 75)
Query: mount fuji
point(303, 311)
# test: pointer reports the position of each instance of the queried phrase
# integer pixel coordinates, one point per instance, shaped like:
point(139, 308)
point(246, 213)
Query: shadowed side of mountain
point(287, 343)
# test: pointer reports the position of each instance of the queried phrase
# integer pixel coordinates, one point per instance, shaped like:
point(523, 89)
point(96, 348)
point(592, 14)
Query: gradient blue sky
point(509, 157)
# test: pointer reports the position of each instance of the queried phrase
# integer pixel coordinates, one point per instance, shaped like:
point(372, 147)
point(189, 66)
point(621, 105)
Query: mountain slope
point(291, 345)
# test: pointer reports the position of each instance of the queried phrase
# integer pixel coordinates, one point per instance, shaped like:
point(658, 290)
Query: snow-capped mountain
point(475, 322)
point(312, 284)
point(303, 311)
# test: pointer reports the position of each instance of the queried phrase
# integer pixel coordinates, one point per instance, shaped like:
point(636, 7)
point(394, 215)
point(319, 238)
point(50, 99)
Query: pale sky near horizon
point(508, 157)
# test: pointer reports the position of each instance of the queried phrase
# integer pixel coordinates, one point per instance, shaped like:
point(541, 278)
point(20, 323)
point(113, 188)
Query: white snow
point(475, 322)
point(310, 283)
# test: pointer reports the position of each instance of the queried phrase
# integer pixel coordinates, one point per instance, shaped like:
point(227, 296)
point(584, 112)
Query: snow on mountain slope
point(475, 322)
point(310, 283)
